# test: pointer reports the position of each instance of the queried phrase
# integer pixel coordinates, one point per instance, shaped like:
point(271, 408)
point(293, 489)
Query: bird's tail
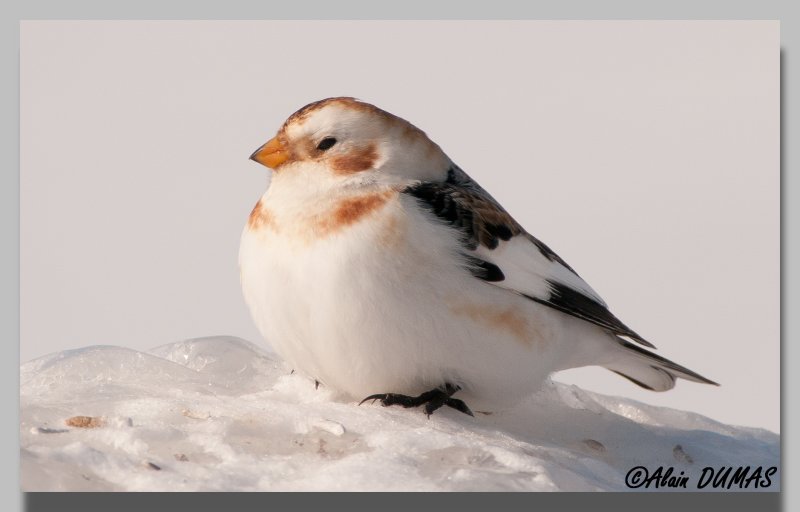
point(649, 370)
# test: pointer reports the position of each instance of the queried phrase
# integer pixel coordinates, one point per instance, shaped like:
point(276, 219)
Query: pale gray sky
point(645, 153)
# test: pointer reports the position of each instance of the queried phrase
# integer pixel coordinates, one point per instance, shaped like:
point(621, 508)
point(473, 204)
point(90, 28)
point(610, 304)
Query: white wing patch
point(527, 270)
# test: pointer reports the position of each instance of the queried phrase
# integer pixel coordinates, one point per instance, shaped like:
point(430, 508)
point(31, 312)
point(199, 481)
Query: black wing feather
point(572, 302)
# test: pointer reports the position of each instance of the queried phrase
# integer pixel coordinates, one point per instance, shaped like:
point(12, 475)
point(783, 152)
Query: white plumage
point(375, 265)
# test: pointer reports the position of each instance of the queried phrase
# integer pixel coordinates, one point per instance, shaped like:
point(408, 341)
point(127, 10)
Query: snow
point(222, 414)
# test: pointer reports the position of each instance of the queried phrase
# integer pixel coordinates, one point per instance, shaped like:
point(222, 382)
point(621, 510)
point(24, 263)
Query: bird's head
point(343, 139)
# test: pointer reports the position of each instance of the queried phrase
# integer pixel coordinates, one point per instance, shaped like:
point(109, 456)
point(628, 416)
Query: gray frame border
point(403, 502)
point(13, 12)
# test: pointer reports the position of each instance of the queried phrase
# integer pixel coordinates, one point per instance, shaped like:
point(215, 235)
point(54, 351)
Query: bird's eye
point(326, 143)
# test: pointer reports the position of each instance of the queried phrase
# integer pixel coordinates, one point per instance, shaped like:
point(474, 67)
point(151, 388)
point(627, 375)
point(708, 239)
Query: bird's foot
point(432, 400)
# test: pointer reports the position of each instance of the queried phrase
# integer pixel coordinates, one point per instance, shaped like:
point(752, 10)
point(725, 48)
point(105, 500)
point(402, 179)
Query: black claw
point(316, 384)
point(432, 406)
point(459, 405)
point(432, 400)
point(380, 396)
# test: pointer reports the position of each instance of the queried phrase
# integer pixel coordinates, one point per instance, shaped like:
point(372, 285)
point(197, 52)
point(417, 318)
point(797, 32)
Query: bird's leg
point(432, 399)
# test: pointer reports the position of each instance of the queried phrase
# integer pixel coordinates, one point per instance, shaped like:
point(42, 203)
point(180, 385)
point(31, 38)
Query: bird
point(378, 267)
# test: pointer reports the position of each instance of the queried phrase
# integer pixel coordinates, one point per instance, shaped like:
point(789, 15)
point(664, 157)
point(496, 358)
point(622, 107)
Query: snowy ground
point(220, 414)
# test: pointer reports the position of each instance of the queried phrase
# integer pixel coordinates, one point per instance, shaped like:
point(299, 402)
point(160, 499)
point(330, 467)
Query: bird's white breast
point(378, 301)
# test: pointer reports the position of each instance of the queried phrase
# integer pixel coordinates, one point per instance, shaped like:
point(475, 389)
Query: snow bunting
point(374, 264)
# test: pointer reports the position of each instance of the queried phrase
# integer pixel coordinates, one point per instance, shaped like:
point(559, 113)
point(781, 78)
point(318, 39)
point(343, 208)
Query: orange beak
point(272, 154)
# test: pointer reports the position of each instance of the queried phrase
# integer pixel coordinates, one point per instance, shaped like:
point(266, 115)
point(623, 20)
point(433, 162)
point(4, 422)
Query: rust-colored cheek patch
point(506, 319)
point(356, 160)
point(260, 217)
point(351, 210)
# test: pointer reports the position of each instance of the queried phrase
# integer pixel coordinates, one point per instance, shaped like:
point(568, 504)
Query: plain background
point(645, 153)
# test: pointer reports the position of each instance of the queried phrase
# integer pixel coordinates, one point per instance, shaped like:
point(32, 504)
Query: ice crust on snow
point(222, 414)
